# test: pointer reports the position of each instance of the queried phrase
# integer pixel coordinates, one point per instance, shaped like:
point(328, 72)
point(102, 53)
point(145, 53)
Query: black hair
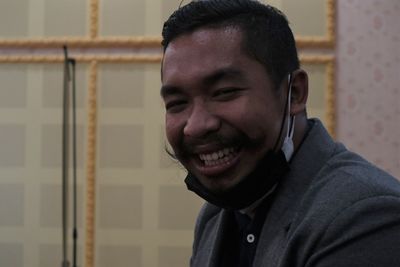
point(267, 35)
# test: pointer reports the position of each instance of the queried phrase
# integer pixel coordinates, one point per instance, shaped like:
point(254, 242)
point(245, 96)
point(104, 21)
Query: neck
point(300, 130)
point(251, 210)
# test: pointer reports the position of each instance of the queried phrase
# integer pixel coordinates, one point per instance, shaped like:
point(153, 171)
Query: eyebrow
point(224, 73)
point(167, 90)
point(217, 76)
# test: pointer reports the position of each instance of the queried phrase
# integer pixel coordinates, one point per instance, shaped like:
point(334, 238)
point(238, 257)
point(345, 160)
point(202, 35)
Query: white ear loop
point(288, 146)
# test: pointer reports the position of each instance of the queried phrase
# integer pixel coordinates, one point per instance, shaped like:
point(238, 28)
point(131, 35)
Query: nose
point(201, 122)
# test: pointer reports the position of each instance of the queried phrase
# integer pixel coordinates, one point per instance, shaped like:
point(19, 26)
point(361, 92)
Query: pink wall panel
point(368, 86)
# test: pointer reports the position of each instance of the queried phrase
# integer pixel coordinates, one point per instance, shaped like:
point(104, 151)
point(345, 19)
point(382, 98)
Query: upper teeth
point(217, 154)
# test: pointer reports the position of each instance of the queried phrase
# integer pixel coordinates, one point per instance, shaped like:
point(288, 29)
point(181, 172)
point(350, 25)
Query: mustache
point(189, 144)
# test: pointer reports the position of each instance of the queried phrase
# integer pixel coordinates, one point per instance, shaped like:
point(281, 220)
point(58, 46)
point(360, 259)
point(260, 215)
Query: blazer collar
point(316, 149)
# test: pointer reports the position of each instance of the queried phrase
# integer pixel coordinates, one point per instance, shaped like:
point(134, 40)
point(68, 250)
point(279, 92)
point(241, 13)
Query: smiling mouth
point(219, 157)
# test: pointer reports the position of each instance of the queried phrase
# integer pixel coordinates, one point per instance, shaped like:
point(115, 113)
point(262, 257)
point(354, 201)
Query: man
point(279, 190)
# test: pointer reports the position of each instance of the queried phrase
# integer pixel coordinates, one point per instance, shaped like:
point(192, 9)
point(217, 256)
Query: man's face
point(222, 112)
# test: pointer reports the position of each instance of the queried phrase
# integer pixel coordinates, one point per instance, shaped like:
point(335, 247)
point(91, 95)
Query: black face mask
point(252, 188)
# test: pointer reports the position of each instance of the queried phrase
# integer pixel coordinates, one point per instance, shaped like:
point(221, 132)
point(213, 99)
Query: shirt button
point(250, 238)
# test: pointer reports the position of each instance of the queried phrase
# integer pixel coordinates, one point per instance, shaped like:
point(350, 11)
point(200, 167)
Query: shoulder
point(350, 208)
point(209, 210)
point(346, 179)
point(346, 185)
point(206, 223)
point(349, 198)
point(350, 177)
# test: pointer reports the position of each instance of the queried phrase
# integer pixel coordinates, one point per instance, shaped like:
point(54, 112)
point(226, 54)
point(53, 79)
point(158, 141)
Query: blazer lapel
point(211, 248)
point(315, 150)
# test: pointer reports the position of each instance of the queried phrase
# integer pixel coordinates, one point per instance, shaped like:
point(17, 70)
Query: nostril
point(201, 120)
point(198, 126)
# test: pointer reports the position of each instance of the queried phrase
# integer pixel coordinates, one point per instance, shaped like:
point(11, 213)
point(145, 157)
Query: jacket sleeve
point(365, 234)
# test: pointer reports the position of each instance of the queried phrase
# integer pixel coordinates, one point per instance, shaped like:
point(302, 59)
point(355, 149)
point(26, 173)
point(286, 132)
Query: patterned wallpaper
point(368, 90)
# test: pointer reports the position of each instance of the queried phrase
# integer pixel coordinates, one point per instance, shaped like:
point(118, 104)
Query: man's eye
point(175, 106)
point(226, 93)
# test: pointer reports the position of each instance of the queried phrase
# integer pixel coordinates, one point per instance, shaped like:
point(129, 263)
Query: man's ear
point(299, 92)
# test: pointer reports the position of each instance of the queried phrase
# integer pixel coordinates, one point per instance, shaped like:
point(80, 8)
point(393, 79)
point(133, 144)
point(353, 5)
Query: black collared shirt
point(241, 236)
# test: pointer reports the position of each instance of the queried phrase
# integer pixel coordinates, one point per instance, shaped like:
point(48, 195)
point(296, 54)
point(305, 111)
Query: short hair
point(267, 35)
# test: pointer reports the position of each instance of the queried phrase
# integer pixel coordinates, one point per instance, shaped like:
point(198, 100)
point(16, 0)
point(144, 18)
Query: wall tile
point(51, 203)
point(12, 143)
point(14, 13)
point(11, 205)
point(120, 207)
point(172, 217)
point(122, 17)
point(51, 146)
point(174, 256)
point(52, 93)
point(11, 255)
point(119, 256)
point(121, 86)
point(120, 146)
point(13, 89)
point(58, 18)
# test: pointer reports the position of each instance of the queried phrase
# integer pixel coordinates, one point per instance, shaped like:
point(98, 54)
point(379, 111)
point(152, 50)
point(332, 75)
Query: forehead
point(207, 34)
point(204, 50)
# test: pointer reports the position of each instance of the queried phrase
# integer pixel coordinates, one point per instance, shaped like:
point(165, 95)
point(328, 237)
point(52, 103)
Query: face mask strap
point(288, 146)
point(289, 129)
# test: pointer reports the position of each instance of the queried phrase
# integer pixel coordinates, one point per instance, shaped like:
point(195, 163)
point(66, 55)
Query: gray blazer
point(333, 209)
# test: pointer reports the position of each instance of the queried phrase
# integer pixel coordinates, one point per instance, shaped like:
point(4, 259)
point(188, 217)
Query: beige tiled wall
point(30, 162)
point(144, 210)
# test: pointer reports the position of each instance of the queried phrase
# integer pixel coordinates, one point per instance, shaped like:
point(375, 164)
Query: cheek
point(173, 130)
point(248, 116)
point(255, 120)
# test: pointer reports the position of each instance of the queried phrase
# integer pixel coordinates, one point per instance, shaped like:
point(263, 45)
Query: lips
point(213, 163)
point(214, 156)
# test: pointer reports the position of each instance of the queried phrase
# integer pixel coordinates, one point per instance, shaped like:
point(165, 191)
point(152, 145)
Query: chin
point(219, 184)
